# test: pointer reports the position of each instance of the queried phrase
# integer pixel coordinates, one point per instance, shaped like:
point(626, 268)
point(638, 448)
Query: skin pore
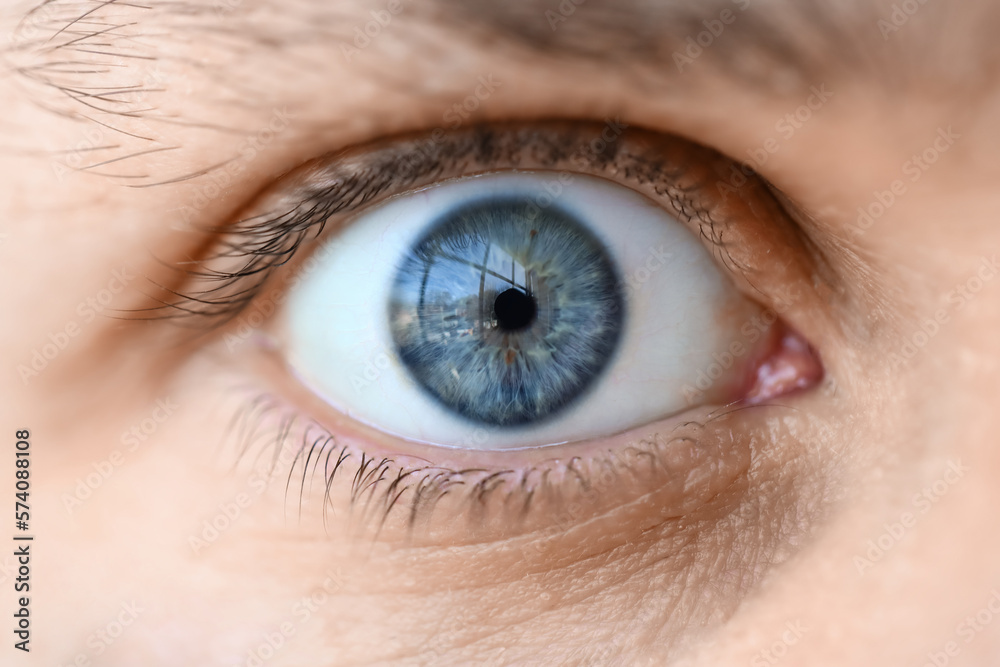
point(845, 524)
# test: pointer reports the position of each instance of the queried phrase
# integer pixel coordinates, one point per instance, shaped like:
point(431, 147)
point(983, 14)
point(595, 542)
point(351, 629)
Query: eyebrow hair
point(777, 46)
point(782, 45)
point(99, 60)
point(770, 42)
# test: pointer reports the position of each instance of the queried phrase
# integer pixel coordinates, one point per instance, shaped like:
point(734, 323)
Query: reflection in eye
point(318, 257)
point(506, 317)
point(496, 307)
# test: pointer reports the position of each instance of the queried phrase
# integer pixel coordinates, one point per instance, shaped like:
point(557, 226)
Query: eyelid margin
point(662, 167)
point(268, 233)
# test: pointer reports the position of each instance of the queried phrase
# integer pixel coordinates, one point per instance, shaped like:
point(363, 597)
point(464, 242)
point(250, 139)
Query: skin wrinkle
point(693, 487)
point(673, 549)
point(851, 455)
point(677, 555)
point(572, 583)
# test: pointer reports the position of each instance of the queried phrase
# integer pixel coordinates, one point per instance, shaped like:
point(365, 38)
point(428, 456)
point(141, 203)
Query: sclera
point(682, 314)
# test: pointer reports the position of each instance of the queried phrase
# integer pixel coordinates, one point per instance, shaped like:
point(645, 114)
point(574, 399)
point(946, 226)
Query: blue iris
point(505, 313)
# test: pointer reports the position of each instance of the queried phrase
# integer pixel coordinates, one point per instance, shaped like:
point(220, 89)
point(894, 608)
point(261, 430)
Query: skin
point(759, 553)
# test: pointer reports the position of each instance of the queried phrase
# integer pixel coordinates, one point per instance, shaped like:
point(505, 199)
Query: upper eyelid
point(297, 208)
point(675, 170)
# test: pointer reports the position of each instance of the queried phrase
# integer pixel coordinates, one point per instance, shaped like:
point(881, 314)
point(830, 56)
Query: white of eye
point(681, 315)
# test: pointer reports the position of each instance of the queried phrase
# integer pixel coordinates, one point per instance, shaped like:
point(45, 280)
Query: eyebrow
point(779, 45)
point(79, 54)
point(720, 32)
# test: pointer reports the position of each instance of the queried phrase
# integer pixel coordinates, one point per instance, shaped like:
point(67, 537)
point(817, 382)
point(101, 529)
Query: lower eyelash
point(403, 488)
point(380, 487)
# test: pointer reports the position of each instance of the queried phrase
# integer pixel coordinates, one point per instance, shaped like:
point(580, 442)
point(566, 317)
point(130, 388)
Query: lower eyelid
point(654, 473)
point(627, 483)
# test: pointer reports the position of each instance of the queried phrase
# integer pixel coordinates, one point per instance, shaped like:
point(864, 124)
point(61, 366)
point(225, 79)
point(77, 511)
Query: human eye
point(774, 433)
point(506, 319)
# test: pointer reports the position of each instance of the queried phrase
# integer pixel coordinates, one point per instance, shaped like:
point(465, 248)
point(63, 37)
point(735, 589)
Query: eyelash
point(297, 210)
point(221, 284)
point(382, 485)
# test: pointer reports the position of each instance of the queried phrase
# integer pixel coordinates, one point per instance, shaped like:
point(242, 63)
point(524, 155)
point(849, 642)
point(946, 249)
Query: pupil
point(504, 313)
point(514, 310)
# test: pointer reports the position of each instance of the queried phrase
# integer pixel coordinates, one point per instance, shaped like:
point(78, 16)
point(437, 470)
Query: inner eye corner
point(515, 312)
point(336, 348)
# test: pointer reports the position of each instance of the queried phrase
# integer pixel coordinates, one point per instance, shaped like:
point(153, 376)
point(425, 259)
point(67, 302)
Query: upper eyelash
point(220, 285)
point(249, 250)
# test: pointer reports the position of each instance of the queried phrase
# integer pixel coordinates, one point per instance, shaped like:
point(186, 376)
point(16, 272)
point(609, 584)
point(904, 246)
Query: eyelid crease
point(387, 488)
point(296, 209)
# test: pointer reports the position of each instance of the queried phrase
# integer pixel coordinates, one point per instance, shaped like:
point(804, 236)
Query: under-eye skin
point(411, 477)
